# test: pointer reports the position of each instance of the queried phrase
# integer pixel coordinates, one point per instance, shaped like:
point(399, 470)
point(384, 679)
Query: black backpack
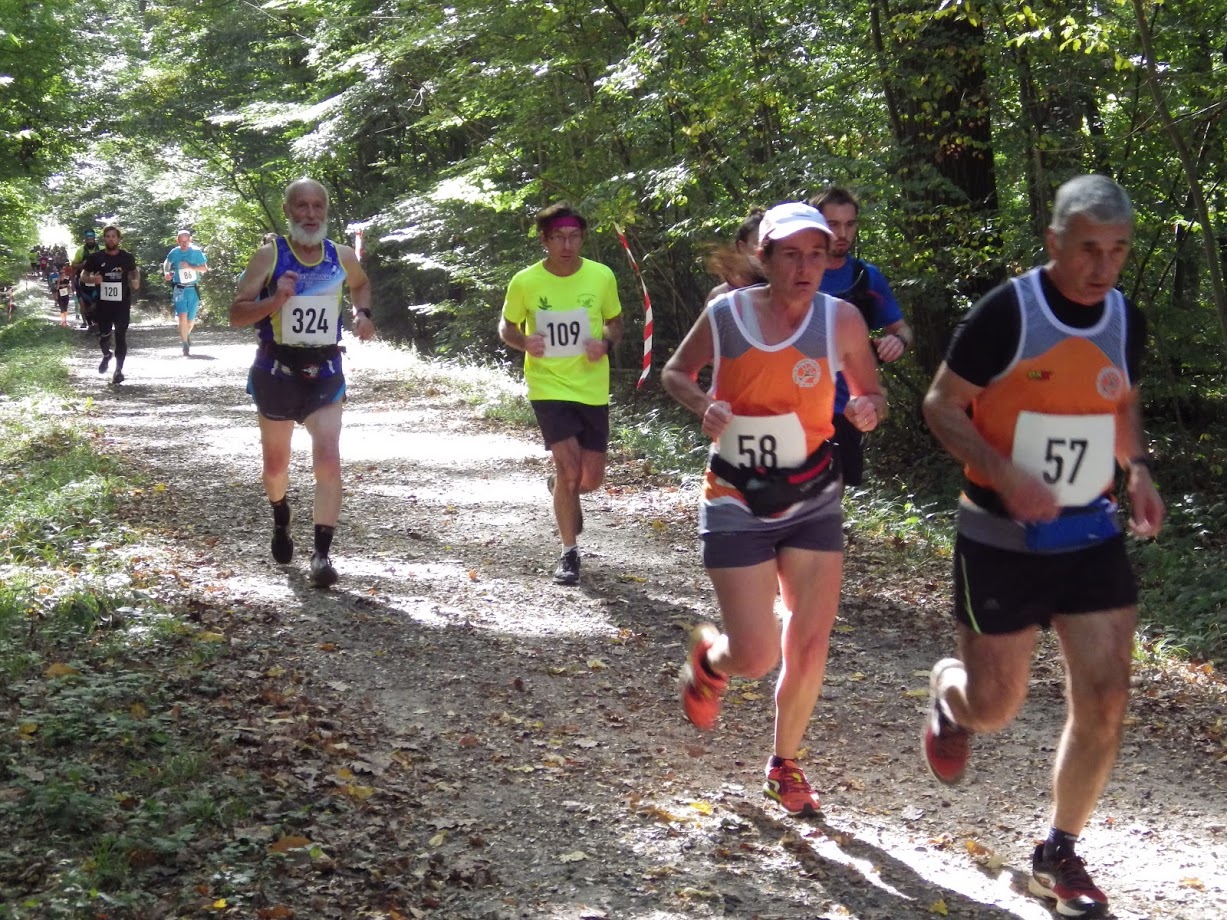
point(859, 294)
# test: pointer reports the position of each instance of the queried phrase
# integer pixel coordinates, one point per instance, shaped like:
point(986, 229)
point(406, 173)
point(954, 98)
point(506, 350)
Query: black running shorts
point(560, 419)
point(283, 397)
point(1000, 591)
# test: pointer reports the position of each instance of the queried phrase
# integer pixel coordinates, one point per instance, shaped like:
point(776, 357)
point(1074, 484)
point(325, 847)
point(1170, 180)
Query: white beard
point(303, 238)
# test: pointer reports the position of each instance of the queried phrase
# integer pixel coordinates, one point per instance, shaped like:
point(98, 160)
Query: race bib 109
point(565, 332)
point(1073, 454)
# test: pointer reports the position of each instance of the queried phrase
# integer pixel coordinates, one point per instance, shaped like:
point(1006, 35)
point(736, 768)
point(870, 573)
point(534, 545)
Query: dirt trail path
point(524, 741)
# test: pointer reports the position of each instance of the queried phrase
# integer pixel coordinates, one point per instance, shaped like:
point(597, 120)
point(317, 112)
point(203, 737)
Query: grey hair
point(309, 183)
point(1095, 197)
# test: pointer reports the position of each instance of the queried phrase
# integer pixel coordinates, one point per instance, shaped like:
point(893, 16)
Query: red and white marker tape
point(647, 310)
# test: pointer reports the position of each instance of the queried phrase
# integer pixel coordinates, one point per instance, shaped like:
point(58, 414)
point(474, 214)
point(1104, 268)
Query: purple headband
point(565, 221)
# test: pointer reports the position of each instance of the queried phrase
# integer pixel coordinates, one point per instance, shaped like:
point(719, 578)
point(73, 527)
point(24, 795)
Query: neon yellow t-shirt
point(567, 311)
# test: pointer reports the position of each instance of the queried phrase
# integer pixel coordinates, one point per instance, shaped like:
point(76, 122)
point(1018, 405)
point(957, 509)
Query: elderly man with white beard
point(291, 292)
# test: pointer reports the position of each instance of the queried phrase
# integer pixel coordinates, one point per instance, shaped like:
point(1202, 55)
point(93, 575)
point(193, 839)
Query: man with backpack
point(863, 286)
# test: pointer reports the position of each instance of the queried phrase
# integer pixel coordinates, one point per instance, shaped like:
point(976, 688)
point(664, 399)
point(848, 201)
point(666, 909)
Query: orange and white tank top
point(782, 395)
point(1053, 409)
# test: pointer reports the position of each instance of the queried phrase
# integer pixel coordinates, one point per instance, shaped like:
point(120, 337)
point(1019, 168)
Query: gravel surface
point(542, 764)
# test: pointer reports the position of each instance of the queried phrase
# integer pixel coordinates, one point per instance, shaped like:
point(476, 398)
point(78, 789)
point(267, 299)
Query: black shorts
point(282, 397)
point(560, 419)
point(850, 441)
point(1000, 591)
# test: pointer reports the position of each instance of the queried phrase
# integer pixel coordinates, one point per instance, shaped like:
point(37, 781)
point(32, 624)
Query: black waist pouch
point(770, 491)
point(300, 359)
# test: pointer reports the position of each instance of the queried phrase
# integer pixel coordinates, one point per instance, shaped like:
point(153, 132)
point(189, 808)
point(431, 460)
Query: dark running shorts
point(1000, 591)
point(284, 397)
point(560, 419)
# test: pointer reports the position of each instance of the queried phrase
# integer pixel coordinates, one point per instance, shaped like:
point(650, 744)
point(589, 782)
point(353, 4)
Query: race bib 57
point(1073, 454)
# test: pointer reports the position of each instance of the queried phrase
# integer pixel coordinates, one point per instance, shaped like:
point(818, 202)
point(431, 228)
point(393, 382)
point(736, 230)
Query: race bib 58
point(771, 441)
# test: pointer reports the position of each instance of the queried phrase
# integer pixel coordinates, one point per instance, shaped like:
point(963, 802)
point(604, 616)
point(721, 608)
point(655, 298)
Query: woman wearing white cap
point(770, 517)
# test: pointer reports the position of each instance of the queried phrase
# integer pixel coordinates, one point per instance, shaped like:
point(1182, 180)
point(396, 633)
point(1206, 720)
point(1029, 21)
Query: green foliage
point(31, 355)
point(1181, 577)
point(664, 436)
point(442, 129)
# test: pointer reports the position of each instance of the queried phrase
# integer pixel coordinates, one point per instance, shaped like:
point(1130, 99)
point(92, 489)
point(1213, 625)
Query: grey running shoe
point(323, 575)
point(104, 363)
point(567, 572)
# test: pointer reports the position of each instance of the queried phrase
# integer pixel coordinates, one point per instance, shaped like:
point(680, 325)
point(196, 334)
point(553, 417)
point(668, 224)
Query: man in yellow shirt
point(563, 313)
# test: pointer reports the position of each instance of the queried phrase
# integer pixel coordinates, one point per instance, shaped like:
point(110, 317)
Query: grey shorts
point(739, 548)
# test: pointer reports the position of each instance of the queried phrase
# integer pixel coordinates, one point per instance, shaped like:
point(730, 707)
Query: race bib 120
point(112, 290)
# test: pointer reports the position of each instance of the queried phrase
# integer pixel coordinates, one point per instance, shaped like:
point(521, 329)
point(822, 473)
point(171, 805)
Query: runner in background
point(114, 272)
point(183, 267)
point(737, 266)
point(63, 291)
point(863, 286)
point(87, 294)
point(564, 314)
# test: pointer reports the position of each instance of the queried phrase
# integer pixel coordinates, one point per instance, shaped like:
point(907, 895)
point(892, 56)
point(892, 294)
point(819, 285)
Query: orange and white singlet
point(1053, 409)
point(782, 397)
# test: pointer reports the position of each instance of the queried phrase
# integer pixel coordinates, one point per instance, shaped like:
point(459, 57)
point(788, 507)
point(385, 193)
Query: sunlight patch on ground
point(393, 434)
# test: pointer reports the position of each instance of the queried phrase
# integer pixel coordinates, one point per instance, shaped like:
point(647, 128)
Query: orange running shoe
point(787, 785)
point(702, 691)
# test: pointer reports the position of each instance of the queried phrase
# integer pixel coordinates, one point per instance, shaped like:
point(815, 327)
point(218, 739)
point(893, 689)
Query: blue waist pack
point(1076, 528)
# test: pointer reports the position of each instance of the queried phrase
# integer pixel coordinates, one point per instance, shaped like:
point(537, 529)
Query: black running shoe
point(323, 575)
point(567, 572)
point(283, 544)
point(1066, 881)
point(104, 363)
point(118, 378)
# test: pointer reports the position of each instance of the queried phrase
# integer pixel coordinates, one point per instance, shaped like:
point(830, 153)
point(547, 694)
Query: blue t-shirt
point(179, 259)
point(884, 311)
